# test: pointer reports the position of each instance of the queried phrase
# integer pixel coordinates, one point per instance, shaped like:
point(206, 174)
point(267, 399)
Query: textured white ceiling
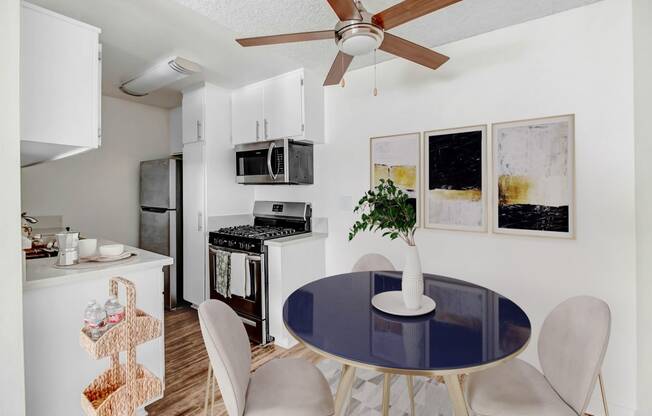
point(461, 20)
point(138, 33)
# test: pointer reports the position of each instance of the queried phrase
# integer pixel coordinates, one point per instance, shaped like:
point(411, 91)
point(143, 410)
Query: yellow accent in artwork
point(513, 190)
point(457, 195)
point(404, 176)
point(380, 172)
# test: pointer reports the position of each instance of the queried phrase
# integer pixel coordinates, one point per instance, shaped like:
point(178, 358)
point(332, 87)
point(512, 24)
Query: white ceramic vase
point(412, 281)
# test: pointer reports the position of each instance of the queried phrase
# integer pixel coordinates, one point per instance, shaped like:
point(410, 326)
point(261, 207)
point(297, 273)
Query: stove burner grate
point(257, 231)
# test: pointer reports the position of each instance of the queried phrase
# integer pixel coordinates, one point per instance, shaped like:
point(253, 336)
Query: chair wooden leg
point(603, 392)
point(212, 395)
point(386, 386)
point(208, 388)
point(410, 386)
point(343, 389)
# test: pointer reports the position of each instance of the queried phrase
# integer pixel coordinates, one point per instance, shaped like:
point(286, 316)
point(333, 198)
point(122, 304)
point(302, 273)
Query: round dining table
point(471, 329)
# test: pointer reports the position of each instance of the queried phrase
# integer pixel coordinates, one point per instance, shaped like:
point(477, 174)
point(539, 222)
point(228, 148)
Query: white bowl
point(87, 247)
point(111, 250)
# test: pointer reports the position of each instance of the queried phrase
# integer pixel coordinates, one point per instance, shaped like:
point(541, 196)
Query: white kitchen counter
point(40, 273)
point(295, 239)
point(57, 369)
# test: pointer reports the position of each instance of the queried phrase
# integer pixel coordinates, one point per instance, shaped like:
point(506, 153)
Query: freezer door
point(155, 231)
point(158, 183)
point(157, 234)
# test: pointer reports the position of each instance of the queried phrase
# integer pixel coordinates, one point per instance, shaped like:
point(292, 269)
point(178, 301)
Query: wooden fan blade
point(287, 38)
point(412, 52)
point(338, 69)
point(408, 10)
point(345, 9)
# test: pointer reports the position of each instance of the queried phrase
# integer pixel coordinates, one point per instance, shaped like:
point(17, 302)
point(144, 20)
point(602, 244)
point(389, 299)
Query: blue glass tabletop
point(472, 326)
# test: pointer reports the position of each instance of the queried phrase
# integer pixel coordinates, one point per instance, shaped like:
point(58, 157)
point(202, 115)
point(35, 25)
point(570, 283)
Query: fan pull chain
point(375, 78)
point(343, 83)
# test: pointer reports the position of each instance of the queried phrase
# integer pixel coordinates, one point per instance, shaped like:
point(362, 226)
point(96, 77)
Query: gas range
point(271, 220)
point(248, 238)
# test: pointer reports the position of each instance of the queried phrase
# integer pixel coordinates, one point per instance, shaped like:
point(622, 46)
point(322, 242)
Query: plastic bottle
point(114, 310)
point(94, 319)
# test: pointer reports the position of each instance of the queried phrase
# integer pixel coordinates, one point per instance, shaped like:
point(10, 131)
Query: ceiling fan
point(359, 32)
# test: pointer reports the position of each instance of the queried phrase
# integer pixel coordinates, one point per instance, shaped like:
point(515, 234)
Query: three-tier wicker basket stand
point(122, 388)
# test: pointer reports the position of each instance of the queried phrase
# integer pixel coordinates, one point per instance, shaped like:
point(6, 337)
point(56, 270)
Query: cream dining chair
point(377, 262)
point(572, 346)
point(281, 387)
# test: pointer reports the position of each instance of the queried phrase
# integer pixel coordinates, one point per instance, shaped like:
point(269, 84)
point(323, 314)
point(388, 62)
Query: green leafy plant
point(386, 208)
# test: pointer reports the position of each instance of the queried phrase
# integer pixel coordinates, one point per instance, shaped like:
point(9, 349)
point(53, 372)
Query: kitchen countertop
point(41, 273)
point(295, 239)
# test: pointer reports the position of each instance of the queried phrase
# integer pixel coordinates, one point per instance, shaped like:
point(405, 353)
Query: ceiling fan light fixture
point(359, 39)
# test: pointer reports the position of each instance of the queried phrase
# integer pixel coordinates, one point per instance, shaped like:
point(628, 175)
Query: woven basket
point(122, 388)
point(115, 339)
point(108, 395)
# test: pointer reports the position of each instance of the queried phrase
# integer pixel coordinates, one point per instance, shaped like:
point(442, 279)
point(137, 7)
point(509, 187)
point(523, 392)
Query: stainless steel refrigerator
point(161, 227)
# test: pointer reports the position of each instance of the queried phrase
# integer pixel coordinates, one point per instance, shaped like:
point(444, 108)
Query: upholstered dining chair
point(372, 262)
point(572, 346)
point(281, 387)
point(377, 262)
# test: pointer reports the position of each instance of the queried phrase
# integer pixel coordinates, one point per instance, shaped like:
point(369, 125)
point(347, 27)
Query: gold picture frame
point(403, 164)
point(548, 194)
point(464, 203)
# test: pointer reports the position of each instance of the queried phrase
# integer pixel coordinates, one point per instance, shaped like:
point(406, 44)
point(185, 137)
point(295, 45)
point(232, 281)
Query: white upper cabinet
point(193, 115)
point(247, 118)
point(284, 107)
point(60, 85)
point(288, 106)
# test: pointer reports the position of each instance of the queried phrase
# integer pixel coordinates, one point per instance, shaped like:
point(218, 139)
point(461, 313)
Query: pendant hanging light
point(375, 78)
point(342, 66)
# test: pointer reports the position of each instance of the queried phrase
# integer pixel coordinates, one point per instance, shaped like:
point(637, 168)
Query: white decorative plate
point(392, 303)
point(105, 259)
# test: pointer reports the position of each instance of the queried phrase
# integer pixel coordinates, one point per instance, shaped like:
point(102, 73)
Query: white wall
point(97, 192)
point(175, 129)
point(643, 127)
point(578, 62)
point(12, 381)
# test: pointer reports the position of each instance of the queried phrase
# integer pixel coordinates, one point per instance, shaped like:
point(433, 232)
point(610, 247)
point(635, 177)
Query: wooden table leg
point(456, 395)
point(386, 386)
point(344, 389)
point(410, 386)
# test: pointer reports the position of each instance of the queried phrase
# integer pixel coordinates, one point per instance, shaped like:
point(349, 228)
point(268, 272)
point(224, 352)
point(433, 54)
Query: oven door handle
point(270, 152)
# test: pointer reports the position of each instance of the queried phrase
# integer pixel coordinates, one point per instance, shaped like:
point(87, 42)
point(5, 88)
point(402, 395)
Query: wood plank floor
point(186, 365)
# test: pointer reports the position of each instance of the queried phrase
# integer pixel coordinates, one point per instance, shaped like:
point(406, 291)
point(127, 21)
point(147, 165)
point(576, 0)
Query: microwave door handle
point(270, 152)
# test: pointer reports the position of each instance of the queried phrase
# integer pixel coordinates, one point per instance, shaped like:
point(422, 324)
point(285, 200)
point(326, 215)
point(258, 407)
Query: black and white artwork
point(455, 180)
point(534, 178)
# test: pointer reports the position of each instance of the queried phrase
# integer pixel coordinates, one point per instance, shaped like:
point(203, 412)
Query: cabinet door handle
point(257, 129)
point(265, 129)
point(198, 130)
point(200, 226)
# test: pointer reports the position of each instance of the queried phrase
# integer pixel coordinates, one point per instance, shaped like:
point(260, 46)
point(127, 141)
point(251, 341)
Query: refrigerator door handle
point(155, 210)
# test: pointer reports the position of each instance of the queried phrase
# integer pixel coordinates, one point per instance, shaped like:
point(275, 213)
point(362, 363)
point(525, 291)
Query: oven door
point(262, 163)
point(252, 309)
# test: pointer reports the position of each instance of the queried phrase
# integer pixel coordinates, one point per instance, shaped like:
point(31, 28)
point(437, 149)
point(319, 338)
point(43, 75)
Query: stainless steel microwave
point(276, 162)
